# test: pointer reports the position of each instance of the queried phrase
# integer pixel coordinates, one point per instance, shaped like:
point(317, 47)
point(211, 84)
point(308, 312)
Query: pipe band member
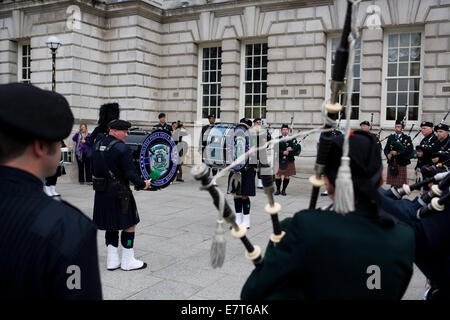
point(114, 205)
point(287, 150)
point(49, 247)
point(326, 255)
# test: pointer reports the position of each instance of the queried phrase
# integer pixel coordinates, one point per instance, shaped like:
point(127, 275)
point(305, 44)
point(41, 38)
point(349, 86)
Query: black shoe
point(283, 193)
point(180, 180)
point(277, 192)
point(260, 187)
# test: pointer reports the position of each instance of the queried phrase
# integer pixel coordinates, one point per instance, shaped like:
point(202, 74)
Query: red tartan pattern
point(289, 171)
point(400, 179)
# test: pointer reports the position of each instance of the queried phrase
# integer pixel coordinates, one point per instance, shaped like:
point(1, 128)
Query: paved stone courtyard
point(174, 239)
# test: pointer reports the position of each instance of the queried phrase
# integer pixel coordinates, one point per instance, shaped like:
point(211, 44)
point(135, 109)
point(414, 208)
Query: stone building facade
point(245, 58)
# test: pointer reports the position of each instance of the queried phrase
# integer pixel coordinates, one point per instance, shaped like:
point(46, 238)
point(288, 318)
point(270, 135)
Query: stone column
point(230, 104)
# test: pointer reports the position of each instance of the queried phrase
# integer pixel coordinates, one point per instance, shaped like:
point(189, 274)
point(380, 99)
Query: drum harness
point(101, 184)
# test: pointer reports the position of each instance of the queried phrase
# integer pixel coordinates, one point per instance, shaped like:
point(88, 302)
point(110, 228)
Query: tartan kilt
point(289, 171)
point(400, 179)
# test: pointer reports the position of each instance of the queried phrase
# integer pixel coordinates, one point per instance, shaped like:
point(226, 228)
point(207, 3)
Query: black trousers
point(84, 169)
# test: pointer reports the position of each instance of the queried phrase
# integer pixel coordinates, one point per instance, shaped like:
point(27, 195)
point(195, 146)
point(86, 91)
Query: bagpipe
point(332, 107)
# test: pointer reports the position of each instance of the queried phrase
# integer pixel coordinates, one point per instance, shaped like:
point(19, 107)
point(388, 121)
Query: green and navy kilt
point(289, 171)
point(400, 179)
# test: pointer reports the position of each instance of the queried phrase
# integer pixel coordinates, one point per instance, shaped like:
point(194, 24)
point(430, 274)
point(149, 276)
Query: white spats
point(239, 217)
point(48, 191)
point(113, 259)
point(246, 220)
point(129, 262)
point(53, 191)
point(260, 185)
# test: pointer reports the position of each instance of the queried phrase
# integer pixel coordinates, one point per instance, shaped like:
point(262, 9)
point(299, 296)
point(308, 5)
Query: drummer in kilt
point(287, 150)
point(398, 150)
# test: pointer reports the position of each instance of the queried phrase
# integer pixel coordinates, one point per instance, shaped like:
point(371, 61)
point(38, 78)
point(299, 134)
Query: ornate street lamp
point(53, 44)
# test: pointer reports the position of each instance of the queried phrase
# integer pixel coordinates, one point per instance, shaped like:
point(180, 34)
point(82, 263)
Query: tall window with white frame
point(403, 75)
point(355, 99)
point(24, 63)
point(211, 81)
point(255, 80)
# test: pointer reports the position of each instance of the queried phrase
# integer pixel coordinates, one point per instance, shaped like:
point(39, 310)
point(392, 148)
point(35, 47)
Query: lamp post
point(53, 44)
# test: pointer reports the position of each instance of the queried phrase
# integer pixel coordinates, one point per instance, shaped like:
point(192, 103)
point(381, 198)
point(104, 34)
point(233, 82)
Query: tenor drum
point(225, 142)
point(154, 150)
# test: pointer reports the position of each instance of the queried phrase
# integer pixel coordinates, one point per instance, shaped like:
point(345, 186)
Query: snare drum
point(225, 142)
point(154, 150)
point(66, 155)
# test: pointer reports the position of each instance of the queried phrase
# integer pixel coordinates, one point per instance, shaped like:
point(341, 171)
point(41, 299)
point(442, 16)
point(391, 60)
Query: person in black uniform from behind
point(43, 239)
point(163, 125)
point(241, 198)
point(114, 205)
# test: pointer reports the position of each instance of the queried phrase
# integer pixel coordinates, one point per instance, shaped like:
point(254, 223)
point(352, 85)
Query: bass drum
point(154, 150)
point(225, 142)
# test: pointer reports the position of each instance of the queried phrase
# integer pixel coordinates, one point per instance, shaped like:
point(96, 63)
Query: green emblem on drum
point(159, 155)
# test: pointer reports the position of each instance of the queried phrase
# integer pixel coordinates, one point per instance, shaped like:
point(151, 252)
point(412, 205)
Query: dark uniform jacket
point(41, 239)
point(429, 146)
point(165, 127)
point(296, 149)
point(443, 150)
point(403, 145)
point(107, 206)
point(325, 255)
point(432, 238)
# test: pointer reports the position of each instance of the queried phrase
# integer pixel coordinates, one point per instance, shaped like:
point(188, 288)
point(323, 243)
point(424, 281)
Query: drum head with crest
point(154, 151)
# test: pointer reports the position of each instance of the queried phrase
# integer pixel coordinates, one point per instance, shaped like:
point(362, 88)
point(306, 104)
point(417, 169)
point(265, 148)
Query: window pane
point(355, 99)
point(205, 65)
point(393, 55)
point(214, 89)
point(257, 113)
point(415, 69)
point(206, 101)
point(212, 77)
point(413, 113)
point(403, 85)
point(264, 50)
point(356, 85)
point(404, 54)
point(413, 98)
point(392, 85)
point(404, 40)
point(264, 61)
point(248, 62)
point(248, 50)
point(213, 64)
point(356, 70)
point(415, 54)
point(248, 112)
point(264, 74)
point(357, 56)
point(392, 69)
point(248, 75)
point(24, 74)
point(248, 88)
point(393, 40)
point(414, 84)
point(256, 100)
point(403, 69)
point(391, 99)
point(264, 87)
point(257, 61)
point(402, 99)
point(263, 100)
point(213, 52)
point(355, 113)
point(257, 49)
point(263, 113)
point(248, 100)
point(205, 113)
point(257, 88)
point(205, 77)
point(390, 113)
point(213, 101)
point(416, 39)
point(206, 53)
point(257, 74)
point(205, 89)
